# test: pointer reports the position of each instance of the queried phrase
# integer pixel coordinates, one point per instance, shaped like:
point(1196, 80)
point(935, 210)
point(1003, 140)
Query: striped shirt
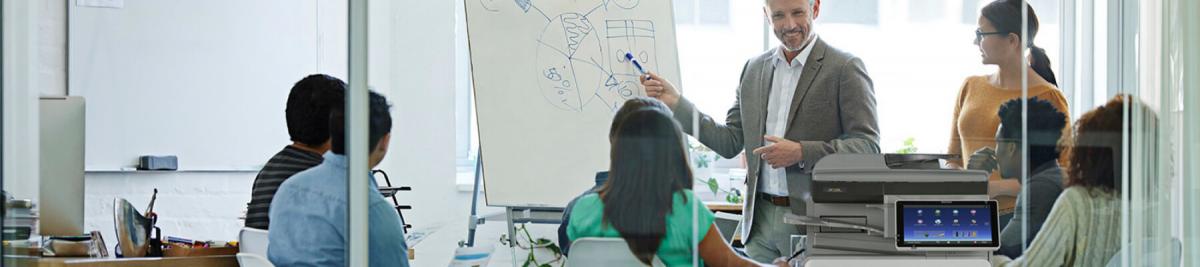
point(284, 164)
point(1083, 230)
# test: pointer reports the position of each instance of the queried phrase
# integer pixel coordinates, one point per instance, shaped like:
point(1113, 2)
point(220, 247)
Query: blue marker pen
point(629, 56)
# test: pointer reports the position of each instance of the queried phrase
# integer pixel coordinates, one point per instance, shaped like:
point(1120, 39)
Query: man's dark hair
point(1046, 125)
point(308, 107)
point(380, 123)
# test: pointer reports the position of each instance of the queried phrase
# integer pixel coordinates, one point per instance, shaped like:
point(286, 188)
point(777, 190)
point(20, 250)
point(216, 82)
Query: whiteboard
point(206, 81)
point(548, 76)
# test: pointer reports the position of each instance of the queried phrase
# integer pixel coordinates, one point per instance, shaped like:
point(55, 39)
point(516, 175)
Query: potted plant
point(534, 246)
point(702, 159)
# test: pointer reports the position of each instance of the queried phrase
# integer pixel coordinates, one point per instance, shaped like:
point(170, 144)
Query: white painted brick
point(192, 205)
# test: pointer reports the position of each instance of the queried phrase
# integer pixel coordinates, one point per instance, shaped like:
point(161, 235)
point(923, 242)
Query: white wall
point(197, 205)
point(20, 98)
point(412, 52)
point(52, 47)
point(201, 205)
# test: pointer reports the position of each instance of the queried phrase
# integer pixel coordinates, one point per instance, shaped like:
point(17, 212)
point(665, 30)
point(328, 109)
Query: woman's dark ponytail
point(1005, 15)
point(1041, 64)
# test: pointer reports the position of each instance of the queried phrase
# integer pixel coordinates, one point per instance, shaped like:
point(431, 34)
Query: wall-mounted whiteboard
point(548, 76)
point(206, 81)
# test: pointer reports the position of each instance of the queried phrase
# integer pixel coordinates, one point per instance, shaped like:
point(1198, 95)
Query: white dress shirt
point(783, 91)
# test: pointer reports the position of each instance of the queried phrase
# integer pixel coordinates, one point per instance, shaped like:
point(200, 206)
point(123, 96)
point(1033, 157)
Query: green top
point(587, 220)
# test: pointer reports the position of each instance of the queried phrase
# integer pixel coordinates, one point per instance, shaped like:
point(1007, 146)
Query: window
point(466, 149)
point(1046, 10)
point(926, 10)
point(702, 12)
point(864, 12)
point(970, 11)
point(918, 76)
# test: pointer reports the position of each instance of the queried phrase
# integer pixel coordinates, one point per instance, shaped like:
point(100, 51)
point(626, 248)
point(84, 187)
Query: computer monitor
point(60, 193)
point(946, 225)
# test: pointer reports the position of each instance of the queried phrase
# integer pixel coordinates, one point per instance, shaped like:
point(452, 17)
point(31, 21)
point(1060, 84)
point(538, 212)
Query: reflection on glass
point(1084, 226)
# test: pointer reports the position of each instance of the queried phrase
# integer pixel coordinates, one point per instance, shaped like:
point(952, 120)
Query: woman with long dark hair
point(646, 200)
point(1000, 42)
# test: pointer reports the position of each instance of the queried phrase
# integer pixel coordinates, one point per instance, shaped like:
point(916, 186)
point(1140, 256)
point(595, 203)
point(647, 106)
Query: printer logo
point(834, 190)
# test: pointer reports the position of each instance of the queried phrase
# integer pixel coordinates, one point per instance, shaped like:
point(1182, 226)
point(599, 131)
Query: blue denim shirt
point(309, 215)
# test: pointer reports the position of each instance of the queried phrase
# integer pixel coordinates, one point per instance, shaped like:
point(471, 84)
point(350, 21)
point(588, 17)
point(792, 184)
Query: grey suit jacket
point(833, 111)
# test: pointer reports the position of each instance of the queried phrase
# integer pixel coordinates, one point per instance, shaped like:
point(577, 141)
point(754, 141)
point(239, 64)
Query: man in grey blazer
point(795, 104)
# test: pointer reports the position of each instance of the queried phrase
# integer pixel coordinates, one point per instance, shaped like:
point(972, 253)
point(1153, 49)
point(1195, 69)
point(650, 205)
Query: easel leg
point(512, 227)
point(512, 235)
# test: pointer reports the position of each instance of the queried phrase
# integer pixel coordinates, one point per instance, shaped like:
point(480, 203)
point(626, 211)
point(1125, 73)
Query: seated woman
point(646, 200)
point(1084, 226)
point(630, 106)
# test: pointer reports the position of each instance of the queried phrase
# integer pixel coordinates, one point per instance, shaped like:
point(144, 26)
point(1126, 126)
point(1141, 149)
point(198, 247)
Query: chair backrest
point(1176, 255)
point(603, 252)
point(253, 241)
point(253, 260)
point(728, 223)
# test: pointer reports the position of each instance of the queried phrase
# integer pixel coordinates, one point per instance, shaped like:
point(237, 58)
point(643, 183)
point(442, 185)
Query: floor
point(437, 249)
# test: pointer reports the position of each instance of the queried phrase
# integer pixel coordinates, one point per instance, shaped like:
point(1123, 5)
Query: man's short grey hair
point(810, 2)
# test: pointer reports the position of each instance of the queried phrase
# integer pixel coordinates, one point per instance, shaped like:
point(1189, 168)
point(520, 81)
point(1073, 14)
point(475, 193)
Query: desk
point(724, 207)
point(205, 261)
point(727, 207)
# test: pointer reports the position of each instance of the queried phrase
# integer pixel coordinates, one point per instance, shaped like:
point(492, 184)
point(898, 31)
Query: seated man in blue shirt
point(310, 210)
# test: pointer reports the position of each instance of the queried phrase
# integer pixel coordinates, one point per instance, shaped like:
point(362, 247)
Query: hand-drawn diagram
point(524, 4)
point(490, 5)
point(626, 4)
point(581, 56)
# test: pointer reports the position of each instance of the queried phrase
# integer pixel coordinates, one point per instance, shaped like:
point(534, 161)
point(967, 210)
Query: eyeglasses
point(979, 34)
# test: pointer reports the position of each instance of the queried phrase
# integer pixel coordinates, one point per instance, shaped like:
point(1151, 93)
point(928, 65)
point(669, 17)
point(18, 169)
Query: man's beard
point(798, 47)
point(793, 49)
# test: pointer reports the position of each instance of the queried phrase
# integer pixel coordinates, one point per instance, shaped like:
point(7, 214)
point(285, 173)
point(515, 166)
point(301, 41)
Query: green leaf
point(712, 185)
point(909, 146)
point(541, 241)
point(545, 265)
point(557, 251)
point(700, 161)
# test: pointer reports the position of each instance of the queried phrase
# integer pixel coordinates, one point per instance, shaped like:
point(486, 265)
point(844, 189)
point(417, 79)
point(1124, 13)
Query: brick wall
point(197, 205)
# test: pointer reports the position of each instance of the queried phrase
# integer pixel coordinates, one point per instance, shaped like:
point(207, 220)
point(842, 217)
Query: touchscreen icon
point(937, 221)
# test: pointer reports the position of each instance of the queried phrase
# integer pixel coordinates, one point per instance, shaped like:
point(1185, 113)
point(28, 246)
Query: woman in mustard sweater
point(975, 122)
